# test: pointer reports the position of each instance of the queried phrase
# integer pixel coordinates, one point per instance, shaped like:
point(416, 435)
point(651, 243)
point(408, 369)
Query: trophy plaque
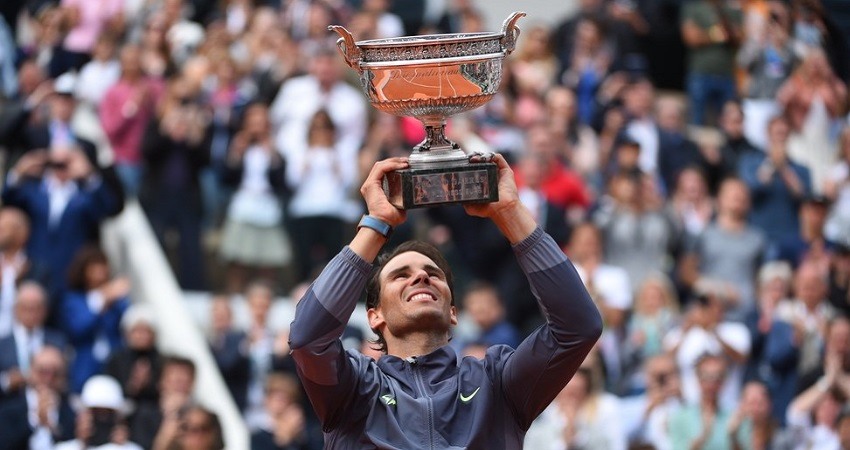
point(432, 77)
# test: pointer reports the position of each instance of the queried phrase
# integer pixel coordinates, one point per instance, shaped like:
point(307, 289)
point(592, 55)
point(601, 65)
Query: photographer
point(101, 424)
point(65, 200)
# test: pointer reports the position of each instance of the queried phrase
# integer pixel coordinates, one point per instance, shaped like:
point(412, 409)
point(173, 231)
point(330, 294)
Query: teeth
point(422, 297)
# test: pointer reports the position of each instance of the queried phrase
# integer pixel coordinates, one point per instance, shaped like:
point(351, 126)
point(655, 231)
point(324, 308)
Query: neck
point(10, 252)
point(729, 221)
point(415, 344)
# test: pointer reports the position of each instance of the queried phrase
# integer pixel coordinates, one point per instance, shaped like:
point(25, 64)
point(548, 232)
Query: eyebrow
point(430, 268)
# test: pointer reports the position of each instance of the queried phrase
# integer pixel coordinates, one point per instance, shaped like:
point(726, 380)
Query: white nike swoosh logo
point(467, 398)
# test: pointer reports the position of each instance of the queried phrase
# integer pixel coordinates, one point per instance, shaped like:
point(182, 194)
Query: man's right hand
point(377, 203)
point(31, 164)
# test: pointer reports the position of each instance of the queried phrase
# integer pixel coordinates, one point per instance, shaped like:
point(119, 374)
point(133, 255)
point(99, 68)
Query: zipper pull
point(411, 360)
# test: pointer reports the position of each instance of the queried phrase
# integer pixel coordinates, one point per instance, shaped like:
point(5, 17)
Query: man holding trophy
point(420, 394)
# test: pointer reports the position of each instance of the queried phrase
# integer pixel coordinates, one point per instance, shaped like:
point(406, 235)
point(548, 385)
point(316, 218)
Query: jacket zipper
point(420, 384)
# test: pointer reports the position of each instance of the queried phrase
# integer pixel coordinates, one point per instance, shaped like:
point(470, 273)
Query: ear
point(375, 318)
point(453, 316)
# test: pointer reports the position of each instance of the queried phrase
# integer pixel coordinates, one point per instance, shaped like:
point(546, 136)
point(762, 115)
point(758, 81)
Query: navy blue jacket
point(438, 400)
point(9, 350)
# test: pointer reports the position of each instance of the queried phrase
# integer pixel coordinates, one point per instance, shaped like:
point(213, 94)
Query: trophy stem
point(436, 148)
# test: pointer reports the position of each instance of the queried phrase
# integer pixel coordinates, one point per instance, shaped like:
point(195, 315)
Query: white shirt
point(41, 438)
point(8, 289)
point(60, 195)
point(322, 179)
point(28, 343)
point(612, 283)
point(95, 79)
point(698, 342)
point(77, 445)
point(300, 98)
point(598, 427)
point(646, 133)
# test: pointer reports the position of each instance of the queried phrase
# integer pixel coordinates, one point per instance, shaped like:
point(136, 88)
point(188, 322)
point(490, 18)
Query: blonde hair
point(663, 283)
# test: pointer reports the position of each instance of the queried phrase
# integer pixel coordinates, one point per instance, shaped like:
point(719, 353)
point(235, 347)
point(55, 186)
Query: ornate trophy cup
point(432, 77)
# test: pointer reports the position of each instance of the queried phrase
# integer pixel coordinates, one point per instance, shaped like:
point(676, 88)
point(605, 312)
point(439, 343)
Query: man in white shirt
point(704, 332)
point(14, 264)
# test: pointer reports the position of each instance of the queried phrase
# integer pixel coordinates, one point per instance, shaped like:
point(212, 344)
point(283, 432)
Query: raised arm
point(544, 362)
point(323, 312)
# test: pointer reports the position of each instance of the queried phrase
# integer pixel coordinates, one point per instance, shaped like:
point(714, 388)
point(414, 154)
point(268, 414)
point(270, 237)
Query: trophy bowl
point(432, 77)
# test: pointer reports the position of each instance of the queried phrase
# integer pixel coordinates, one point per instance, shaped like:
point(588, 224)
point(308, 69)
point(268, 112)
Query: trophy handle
point(510, 32)
point(347, 48)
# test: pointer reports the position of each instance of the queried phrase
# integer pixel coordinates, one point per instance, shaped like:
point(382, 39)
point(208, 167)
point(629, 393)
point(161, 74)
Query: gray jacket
point(439, 401)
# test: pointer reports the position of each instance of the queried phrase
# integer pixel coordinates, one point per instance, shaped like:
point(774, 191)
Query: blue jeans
point(709, 91)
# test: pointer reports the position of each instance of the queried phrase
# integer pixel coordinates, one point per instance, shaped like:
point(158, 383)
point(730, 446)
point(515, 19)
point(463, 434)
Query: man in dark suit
point(40, 415)
point(28, 337)
point(65, 201)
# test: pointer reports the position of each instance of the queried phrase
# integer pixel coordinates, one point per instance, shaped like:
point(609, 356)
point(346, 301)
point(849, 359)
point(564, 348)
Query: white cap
point(138, 313)
point(65, 83)
point(102, 391)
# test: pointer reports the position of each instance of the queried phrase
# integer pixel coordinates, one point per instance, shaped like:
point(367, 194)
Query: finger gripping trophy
point(432, 77)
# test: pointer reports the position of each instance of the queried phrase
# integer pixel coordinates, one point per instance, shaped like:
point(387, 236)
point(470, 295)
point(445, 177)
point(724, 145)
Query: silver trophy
point(432, 77)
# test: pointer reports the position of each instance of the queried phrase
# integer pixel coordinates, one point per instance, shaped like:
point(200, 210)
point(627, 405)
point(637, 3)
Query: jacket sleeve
point(546, 360)
point(327, 374)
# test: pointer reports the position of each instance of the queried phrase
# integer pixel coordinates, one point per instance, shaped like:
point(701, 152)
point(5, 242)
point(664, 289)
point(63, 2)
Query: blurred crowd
point(692, 157)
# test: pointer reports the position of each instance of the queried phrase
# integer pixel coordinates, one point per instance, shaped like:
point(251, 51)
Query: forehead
point(407, 259)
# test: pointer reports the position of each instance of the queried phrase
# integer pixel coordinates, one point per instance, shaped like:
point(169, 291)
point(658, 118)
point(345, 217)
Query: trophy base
point(416, 188)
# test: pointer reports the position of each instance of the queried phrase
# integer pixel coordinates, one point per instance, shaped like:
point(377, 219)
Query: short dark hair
point(179, 361)
point(373, 285)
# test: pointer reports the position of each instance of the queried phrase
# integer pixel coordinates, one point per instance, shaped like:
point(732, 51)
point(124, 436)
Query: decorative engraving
point(450, 187)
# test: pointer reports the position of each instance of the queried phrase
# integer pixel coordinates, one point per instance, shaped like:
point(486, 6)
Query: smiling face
point(415, 296)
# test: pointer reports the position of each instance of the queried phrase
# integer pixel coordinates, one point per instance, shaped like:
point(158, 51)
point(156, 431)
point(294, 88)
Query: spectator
point(812, 99)
point(301, 97)
point(138, 365)
point(732, 123)
point(839, 279)
point(91, 313)
point(154, 426)
point(100, 424)
point(534, 65)
point(777, 183)
point(285, 427)
point(837, 190)
point(711, 30)
point(641, 124)
point(703, 422)
point(321, 177)
point(704, 332)
point(199, 429)
point(582, 415)
point(775, 345)
point(638, 235)
point(809, 313)
point(99, 74)
point(87, 20)
point(562, 114)
point(15, 266)
point(813, 415)
point(754, 415)
point(254, 244)
point(690, 206)
point(810, 246)
point(175, 148)
point(483, 305)
point(41, 414)
point(590, 59)
point(655, 313)
point(550, 217)
point(259, 296)
point(769, 59)
point(675, 150)
point(125, 111)
point(647, 416)
point(562, 187)
point(610, 288)
point(28, 337)
point(230, 350)
point(728, 250)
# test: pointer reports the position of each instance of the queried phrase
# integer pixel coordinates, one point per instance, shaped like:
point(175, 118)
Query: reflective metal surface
point(431, 78)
